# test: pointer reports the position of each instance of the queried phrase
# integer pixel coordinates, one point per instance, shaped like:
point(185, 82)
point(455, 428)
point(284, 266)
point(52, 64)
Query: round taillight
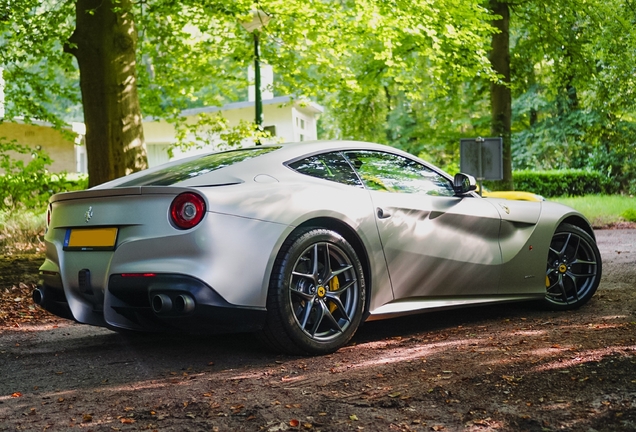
point(187, 210)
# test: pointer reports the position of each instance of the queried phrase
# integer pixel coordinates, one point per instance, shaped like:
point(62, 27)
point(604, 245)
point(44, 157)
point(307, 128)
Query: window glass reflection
point(392, 173)
point(328, 166)
point(194, 168)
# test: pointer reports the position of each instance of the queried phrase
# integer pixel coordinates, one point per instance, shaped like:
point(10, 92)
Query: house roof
point(303, 105)
point(77, 127)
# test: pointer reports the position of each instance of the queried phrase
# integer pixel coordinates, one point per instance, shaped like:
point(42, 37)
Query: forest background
point(554, 79)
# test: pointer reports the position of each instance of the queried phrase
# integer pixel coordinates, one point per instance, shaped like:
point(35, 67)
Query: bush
point(30, 185)
point(629, 215)
point(564, 183)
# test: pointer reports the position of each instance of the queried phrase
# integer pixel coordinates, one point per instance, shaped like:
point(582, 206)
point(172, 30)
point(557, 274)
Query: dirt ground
point(496, 368)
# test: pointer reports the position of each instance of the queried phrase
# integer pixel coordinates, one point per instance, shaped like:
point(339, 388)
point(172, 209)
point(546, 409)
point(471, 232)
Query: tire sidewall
point(291, 256)
point(583, 235)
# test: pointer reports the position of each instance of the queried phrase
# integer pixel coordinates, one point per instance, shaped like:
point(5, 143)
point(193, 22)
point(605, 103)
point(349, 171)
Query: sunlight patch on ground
point(586, 357)
point(405, 354)
point(377, 350)
point(535, 333)
point(39, 327)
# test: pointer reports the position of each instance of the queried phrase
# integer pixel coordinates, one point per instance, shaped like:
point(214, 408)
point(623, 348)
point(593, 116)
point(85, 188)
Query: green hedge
point(563, 183)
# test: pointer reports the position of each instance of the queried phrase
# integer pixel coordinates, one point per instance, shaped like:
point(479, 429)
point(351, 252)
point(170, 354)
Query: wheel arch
point(579, 222)
point(354, 240)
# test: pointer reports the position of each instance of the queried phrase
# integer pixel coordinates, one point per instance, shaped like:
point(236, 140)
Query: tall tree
point(104, 43)
point(500, 93)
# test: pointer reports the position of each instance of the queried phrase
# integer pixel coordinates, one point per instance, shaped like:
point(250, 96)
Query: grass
point(603, 210)
point(21, 231)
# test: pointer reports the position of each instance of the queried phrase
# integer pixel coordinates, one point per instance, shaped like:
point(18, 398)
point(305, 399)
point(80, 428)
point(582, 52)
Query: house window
point(81, 164)
point(302, 123)
point(271, 129)
point(302, 137)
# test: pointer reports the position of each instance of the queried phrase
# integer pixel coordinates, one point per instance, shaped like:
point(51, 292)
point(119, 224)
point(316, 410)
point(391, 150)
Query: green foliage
point(629, 215)
point(41, 81)
point(29, 185)
point(573, 87)
point(411, 73)
point(214, 130)
point(564, 182)
point(411, 78)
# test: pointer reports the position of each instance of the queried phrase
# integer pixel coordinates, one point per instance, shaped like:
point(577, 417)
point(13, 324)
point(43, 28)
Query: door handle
point(382, 214)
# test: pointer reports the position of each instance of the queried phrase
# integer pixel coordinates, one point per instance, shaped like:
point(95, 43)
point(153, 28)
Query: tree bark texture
point(104, 43)
point(500, 94)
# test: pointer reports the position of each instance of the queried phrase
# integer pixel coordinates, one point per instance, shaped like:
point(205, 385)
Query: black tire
point(316, 294)
point(574, 268)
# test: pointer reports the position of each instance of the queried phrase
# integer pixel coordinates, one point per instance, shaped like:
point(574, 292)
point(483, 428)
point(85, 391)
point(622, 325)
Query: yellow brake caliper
point(334, 285)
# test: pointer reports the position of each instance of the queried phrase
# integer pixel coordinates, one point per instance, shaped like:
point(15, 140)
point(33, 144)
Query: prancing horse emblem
point(89, 214)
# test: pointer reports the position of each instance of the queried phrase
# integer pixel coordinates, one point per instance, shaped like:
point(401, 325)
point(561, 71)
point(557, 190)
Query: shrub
point(30, 185)
point(629, 215)
point(564, 182)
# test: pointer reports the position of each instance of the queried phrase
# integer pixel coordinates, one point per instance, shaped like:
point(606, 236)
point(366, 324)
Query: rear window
point(194, 168)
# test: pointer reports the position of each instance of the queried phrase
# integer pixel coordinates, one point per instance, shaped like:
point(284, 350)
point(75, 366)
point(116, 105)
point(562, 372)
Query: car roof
point(270, 161)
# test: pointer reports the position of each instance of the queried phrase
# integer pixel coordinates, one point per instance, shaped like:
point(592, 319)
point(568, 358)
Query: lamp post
point(258, 21)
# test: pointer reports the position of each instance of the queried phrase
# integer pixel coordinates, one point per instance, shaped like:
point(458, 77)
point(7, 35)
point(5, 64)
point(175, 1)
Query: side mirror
point(464, 183)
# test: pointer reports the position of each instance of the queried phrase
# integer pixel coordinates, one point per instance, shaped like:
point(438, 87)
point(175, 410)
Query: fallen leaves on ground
point(18, 279)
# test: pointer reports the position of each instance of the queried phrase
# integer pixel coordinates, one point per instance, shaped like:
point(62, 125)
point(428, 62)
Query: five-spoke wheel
point(574, 268)
point(316, 295)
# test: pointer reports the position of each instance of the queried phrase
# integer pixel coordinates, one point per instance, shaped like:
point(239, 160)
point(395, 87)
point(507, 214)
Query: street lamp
point(258, 21)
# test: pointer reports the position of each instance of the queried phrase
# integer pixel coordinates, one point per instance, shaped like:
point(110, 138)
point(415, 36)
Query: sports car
point(301, 243)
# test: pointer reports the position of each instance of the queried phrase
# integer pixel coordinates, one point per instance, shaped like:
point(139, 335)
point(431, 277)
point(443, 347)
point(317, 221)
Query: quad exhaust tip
point(163, 303)
point(183, 303)
point(38, 296)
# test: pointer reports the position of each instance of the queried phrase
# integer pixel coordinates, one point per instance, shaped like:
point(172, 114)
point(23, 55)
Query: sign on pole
point(482, 158)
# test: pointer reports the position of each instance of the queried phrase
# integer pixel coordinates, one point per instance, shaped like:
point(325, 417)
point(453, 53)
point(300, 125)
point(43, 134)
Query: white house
point(288, 120)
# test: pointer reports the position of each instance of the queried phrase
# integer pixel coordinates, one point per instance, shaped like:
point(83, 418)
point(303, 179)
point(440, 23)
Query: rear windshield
point(194, 168)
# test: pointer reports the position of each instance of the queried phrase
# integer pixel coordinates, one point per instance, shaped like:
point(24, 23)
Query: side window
point(391, 173)
point(328, 166)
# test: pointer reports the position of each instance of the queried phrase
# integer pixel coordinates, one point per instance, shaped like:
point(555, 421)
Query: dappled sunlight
point(439, 246)
point(587, 356)
point(534, 333)
point(407, 354)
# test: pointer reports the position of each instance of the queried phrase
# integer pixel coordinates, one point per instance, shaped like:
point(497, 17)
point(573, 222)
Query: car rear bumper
point(150, 302)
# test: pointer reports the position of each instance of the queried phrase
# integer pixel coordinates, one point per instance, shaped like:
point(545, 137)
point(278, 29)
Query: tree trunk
point(500, 95)
point(104, 43)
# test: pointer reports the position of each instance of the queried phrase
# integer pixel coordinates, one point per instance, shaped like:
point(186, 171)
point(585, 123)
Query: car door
point(435, 244)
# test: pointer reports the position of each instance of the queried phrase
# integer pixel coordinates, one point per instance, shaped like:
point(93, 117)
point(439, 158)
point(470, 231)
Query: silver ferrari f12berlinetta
point(301, 243)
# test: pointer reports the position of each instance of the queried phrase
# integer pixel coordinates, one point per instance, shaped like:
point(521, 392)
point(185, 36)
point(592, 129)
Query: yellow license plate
point(90, 239)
